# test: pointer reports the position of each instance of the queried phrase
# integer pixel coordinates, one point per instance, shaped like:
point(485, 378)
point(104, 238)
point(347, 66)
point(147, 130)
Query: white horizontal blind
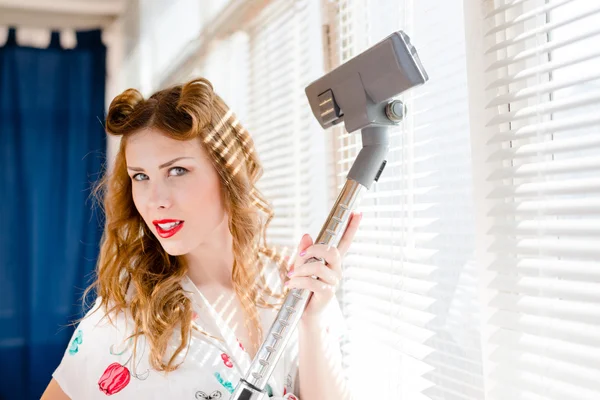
point(409, 293)
point(542, 62)
point(285, 55)
point(261, 71)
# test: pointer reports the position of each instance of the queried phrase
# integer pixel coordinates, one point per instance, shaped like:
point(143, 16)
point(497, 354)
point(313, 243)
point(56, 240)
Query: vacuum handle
point(252, 386)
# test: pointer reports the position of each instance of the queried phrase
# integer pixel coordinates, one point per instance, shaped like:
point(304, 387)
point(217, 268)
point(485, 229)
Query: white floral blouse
point(99, 362)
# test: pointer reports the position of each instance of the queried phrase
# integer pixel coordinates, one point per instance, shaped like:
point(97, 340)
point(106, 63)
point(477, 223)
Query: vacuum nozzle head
point(357, 92)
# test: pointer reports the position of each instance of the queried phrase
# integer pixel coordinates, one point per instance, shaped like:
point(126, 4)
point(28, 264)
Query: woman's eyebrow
point(162, 165)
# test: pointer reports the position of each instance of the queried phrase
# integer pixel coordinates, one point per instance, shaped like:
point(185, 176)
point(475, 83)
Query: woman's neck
point(210, 265)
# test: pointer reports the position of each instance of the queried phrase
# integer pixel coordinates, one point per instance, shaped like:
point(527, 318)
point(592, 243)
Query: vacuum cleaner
point(361, 94)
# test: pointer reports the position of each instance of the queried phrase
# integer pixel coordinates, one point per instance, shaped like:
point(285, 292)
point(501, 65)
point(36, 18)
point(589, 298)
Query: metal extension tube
point(295, 302)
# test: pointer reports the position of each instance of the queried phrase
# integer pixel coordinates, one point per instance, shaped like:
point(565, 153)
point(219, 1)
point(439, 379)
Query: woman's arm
point(320, 357)
point(320, 364)
point(54, 392)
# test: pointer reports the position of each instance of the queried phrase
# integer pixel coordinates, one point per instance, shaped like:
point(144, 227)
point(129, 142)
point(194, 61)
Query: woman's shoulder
point(96, 338)
point(101, 324)
point(104, 315)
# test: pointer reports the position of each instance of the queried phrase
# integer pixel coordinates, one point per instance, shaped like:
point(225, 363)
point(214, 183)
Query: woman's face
point(175, 189)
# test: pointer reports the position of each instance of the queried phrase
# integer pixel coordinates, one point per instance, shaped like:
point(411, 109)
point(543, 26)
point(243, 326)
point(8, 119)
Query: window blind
point(540, 154)
point(261, 70)
point(285, 55)
point(409, 294)
point(500, 163)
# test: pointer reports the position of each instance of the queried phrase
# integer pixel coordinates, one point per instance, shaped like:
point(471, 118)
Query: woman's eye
point(181, 171)
point(178, 172)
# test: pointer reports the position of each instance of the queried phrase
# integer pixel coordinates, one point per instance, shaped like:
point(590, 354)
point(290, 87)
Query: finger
point(330, 254)
point(311, 284)
point(349, 233)
point(324, 273)
point(305, 242)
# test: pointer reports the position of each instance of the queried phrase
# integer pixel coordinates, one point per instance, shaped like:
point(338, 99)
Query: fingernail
point(286, 283)
point(290, 273)
point(303, 252)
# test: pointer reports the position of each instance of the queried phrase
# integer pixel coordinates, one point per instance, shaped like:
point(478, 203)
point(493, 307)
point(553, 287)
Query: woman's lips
point(167, 233)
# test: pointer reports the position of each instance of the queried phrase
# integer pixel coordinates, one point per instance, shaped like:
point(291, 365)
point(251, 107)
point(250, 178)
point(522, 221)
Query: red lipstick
point(167, 233)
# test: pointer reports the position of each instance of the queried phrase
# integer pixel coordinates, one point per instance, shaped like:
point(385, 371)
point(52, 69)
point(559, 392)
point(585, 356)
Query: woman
point(186, 284)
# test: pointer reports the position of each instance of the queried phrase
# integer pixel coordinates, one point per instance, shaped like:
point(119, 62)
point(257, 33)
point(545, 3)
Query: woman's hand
point(329, 274)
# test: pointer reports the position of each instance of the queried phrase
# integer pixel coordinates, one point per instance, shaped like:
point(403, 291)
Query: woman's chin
point(174, 249)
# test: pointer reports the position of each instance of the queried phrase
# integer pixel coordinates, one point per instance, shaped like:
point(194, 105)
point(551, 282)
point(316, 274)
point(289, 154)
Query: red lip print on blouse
point(226, 360)
point(114, 379)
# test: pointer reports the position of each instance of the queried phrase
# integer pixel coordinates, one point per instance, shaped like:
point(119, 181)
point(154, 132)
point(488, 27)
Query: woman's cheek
point(137, 199)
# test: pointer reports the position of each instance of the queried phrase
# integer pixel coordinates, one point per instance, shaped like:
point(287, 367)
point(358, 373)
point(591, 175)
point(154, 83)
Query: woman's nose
point(160, 196)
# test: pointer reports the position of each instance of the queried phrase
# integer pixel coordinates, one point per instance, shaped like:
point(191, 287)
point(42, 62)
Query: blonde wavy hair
point(131, 255)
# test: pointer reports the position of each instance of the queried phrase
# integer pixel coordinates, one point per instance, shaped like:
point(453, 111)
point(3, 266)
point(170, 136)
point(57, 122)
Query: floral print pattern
point(203, 396)
point(228, 385)
point(114, 379)
point(77, 340)
point(226, 360)
point(106, 349)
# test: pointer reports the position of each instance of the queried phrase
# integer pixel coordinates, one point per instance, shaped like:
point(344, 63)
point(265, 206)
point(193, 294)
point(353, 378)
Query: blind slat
point(547, 168)
point(565, 228)
point(532, 33)
point(577, 206)
point(545, 48)
point(567, 269)
point(545, 128)
point(544, 109)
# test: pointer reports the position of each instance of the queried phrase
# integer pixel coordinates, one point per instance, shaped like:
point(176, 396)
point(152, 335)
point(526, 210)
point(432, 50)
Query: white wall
point(156, 33)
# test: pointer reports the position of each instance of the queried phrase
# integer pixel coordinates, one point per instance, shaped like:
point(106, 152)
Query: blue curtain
point(52, 145)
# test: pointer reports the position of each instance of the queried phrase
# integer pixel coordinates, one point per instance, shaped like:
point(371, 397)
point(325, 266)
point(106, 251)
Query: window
point(539, 147)
point(409, 295)
point(475, 273)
